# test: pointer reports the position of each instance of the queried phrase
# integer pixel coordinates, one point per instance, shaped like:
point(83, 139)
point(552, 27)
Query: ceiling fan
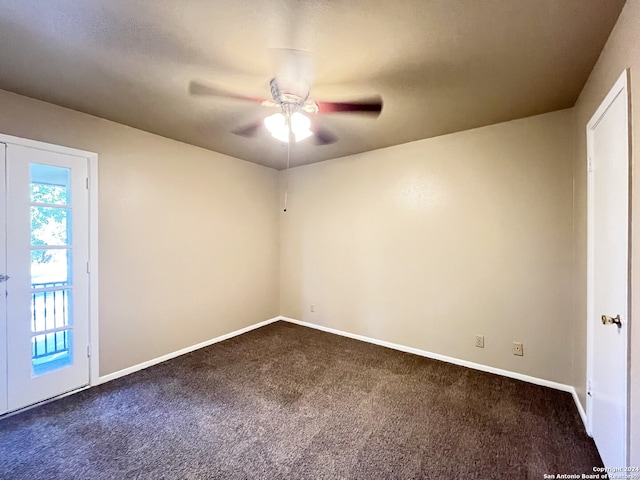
point(290, 96)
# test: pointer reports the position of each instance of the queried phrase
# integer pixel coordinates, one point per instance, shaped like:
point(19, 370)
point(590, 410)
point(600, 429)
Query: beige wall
point(621, 51)
point(188, 238)
point(429, 243)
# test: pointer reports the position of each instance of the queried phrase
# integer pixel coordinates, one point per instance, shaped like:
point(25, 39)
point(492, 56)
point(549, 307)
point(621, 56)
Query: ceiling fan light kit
point(278, 126)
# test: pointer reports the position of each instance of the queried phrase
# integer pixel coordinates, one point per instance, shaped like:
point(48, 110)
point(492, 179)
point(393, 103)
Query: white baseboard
point(169, 356)
point(581, 411)
point(394, 346)
point(464, 363)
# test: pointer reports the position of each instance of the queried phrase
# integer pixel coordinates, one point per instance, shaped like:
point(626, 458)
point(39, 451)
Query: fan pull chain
point(286, 185)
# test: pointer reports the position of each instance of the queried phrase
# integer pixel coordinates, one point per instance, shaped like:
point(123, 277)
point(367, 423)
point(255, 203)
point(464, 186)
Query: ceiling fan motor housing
point(289, 91)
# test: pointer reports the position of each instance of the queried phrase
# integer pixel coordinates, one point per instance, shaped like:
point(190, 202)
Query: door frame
point(620, 87)
point(92, 185)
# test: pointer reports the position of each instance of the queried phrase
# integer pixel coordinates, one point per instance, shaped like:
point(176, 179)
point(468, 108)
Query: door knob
point(607, 320)
point(4, 278)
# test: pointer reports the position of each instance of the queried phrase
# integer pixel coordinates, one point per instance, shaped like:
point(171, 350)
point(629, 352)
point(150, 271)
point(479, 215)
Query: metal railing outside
point(49, 321)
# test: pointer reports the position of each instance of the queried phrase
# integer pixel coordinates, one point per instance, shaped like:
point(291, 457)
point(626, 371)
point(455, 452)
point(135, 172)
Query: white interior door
point(608, 192)
point(47, 253)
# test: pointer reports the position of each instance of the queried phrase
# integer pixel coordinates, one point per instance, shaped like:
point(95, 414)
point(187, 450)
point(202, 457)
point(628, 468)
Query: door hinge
point(89, 351)
point(590, 164)
point(88, 267)
point(87, 182)
point(589, 387)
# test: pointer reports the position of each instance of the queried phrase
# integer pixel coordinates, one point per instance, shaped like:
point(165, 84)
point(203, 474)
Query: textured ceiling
point(441, 66)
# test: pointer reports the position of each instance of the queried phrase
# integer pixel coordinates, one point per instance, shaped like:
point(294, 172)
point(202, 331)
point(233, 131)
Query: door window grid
point(51, 342)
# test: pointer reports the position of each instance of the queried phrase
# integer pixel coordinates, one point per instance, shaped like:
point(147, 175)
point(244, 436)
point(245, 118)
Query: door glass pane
point(51, 351)
point(50, 268)
point(51, 344)
point(51, 282)
point(50, 184)
point(49, 226)
point(50, 310)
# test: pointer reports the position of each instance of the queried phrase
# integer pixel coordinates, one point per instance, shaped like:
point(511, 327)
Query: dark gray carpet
point(290, 402)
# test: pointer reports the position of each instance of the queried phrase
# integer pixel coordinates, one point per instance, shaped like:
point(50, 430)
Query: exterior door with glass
point(46, 250)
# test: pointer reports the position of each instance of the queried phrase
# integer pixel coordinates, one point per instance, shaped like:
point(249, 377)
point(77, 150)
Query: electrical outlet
point(517, 349)
point(480, 341)
point(312, 308)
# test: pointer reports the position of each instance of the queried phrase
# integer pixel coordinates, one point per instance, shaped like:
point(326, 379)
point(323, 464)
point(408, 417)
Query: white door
point(46, 245)
point(608, 233)
point(3, 280)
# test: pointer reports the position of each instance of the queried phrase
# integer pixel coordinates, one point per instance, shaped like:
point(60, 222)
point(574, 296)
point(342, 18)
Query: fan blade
point(322, 136)
point(371, 107)
point(202, 89)
point(249, 131)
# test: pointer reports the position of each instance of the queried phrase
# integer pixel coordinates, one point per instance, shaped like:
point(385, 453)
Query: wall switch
point(517, 349)
point(480, 341)
point(312, 307)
